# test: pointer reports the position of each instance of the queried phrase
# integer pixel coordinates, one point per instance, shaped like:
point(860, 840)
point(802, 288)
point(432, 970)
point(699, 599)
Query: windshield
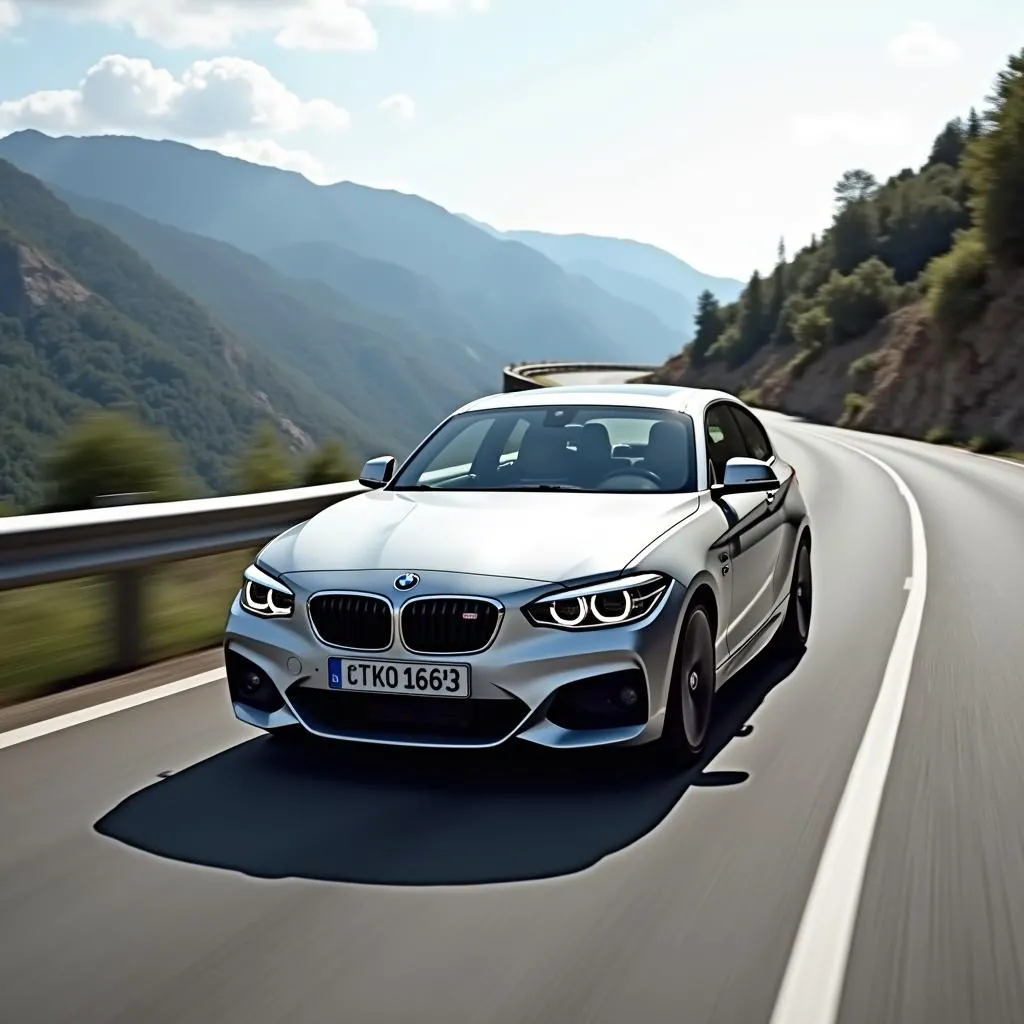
point(564, 448)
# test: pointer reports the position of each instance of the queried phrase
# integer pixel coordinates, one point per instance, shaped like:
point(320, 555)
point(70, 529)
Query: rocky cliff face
point(28, 279)
point(902, 378)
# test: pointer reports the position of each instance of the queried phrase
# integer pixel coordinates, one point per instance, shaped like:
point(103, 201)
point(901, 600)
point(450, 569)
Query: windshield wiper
point(543, 487)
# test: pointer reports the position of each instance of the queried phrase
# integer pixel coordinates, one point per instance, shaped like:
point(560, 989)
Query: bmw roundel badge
point(406, 581)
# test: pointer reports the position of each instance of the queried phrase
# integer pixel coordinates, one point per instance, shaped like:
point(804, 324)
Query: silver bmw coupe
point(570, 566)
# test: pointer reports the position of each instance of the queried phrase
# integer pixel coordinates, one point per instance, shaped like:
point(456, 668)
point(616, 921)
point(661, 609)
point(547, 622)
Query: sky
point(709, 129)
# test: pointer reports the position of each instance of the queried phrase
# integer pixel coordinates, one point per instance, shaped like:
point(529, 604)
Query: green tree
point(854, 236)
point(854, 186)
point(709, 328)
point(266, 466)
point(995, 168)
point(794, 307)
point(751, 332)
point(919, 218)
point(777, 292)
point(329, 464)
point(111, 452)
point(812, 328)
point(957, 284)
point(856, 302)
point(973, 125)
point(949, 145)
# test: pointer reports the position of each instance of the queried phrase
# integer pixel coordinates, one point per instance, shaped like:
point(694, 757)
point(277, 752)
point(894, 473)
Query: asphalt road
point(247, 886)
point(590, 377)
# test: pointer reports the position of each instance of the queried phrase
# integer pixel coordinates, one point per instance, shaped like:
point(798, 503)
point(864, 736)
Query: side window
point(458, 454)
point(724, 439)
point(514, 439)
point(755, 438)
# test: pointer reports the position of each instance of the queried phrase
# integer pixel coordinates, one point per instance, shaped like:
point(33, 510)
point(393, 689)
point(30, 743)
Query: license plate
point(399, 677)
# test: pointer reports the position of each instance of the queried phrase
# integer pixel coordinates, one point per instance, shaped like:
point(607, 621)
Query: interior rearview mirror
point(377, 472)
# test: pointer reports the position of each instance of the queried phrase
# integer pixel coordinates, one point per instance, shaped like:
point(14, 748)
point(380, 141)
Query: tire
point(796, 627)
point(690, 707)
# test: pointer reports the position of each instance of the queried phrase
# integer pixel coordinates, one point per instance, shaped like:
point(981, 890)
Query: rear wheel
point(796, 627)
point(691, 698)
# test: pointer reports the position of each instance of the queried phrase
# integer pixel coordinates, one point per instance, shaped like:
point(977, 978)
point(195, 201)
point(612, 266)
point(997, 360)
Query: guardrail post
point(127, 587)
point(128, 596)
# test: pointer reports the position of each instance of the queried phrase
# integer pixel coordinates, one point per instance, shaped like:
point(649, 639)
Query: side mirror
point(377, 472)
point(743, 476)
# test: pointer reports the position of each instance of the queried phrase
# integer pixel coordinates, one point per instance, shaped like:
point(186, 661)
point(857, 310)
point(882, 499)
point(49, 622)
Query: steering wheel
point(634, 471)
point(646, 474)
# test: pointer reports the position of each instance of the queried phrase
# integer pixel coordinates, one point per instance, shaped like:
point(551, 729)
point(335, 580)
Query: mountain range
point(634, 271)
point(337, 311)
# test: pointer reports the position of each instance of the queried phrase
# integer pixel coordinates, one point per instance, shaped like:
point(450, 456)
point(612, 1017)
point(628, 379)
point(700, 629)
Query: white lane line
point(110, 707)
point(813, 982)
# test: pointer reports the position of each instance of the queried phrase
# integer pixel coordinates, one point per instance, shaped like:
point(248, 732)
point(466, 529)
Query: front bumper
point(550, 687)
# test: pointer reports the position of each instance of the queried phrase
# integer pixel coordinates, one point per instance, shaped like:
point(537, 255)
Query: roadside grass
point(56, 635)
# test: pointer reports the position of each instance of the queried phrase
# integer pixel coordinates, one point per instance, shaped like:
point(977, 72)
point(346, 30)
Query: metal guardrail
point(122, 541)
point(523, 376)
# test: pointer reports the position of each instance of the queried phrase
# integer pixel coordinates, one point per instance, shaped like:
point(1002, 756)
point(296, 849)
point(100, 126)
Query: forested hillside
point(386, 370)
point(907, 314)
point(86, 324)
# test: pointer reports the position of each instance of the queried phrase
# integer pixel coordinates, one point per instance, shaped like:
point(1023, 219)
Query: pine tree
point(709, 327)
point(995, 168)
point(854, 187)
point(752, 322)
point(973, 125)
point(949, 144)
point(778, 293)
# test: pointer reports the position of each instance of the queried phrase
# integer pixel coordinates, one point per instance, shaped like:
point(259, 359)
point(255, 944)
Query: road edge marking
point(815, 974)
point(51, 725)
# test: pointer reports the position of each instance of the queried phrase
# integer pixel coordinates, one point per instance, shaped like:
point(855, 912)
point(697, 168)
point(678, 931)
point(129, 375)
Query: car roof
point(645, 396)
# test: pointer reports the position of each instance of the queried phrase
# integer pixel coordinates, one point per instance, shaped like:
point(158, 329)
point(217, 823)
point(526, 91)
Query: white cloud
point(227, 104)
point(10, 16)
point(217, 24)
point(273, 154)
point(921, 45)
point(400, 105)
point(218, 98)
point(437, 6)
point(296, 24)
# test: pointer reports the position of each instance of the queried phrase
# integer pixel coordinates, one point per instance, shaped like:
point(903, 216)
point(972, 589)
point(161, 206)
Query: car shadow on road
point(387, 816)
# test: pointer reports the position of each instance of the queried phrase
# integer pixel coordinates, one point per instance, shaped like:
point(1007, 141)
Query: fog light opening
point(250, 684)
point(628, 696)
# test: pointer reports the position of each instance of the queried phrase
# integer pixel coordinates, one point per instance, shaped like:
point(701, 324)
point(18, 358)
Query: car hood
point(542, 536)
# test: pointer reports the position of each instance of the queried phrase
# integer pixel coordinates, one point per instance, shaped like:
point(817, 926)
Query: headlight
point(264, 596)
point(615, 603)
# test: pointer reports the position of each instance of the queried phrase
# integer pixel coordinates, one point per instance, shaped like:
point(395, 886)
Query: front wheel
point(692, 694)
